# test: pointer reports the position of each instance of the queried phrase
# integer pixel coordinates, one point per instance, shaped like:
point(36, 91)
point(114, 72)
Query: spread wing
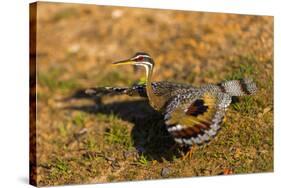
point(195, 117)
point(162, 88)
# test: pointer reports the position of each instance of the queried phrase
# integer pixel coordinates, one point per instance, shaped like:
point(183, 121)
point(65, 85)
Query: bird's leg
point(189, 153)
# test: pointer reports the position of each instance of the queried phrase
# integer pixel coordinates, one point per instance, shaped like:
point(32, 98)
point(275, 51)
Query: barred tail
point(138, 90)
point(239, 87)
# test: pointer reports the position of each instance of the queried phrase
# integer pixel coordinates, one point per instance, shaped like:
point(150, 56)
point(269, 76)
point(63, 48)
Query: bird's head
point(139, 59)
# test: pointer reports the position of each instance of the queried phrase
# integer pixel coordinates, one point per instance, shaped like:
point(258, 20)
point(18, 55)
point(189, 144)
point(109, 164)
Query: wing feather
point(195, 118)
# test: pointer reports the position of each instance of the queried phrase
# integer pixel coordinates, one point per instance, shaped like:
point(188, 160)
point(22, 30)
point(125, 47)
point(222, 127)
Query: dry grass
point(80, 140)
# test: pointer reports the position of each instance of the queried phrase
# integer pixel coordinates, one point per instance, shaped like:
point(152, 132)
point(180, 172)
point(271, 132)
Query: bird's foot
point(189, 153)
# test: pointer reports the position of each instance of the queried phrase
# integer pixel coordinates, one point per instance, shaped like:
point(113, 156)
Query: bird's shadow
point(149, 134)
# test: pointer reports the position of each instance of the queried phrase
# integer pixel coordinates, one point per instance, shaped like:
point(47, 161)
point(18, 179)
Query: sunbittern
point(192, 115)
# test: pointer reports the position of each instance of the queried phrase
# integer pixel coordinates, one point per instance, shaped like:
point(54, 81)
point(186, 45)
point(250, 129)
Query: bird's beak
point(124, 62)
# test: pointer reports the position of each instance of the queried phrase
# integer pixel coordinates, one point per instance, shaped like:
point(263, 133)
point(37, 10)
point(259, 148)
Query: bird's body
point(192, 115)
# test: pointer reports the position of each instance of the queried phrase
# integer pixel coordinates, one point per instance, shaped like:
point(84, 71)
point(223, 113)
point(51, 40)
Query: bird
point(192, 115)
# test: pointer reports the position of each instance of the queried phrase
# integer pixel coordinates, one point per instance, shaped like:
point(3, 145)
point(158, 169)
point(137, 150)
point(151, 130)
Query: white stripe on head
point(146, 65)
point(141, 56)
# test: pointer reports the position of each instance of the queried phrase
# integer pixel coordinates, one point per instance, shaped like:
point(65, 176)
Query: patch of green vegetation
point(42, 96)
point(242, 168)
point(244, 66)
point(118, 134)
point(191, 77)
point(90, 144)
point(60, 167)
point(111, 118)
point(62, 129)
point(143, 160)
point(64, 14)
point(255, 139)
point(67, 85)
point(264, 163)
point(52, 81)
point(245, 105)
point(49, 79)
point(210, 74)
point(101, 117)
point(79, 119)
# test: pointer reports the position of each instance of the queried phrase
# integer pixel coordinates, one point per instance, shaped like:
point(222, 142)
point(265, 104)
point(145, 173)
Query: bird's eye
point(140, 58)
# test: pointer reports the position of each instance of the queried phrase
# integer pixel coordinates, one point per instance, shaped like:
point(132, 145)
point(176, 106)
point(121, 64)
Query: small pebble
point(115, 165)
point(126, 154)
point(109, 158)
point(140, 149)
point(117, 14)
point(267, 109)
point(165, 172)
point(74, 48)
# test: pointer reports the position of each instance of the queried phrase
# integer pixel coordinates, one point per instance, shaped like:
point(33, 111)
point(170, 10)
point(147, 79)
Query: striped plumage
point(193, 115)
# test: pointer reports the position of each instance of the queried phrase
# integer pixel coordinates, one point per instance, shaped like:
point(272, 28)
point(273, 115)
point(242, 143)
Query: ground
point(119, 138)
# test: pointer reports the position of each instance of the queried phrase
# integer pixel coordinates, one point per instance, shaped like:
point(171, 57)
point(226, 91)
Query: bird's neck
point(154, 100)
